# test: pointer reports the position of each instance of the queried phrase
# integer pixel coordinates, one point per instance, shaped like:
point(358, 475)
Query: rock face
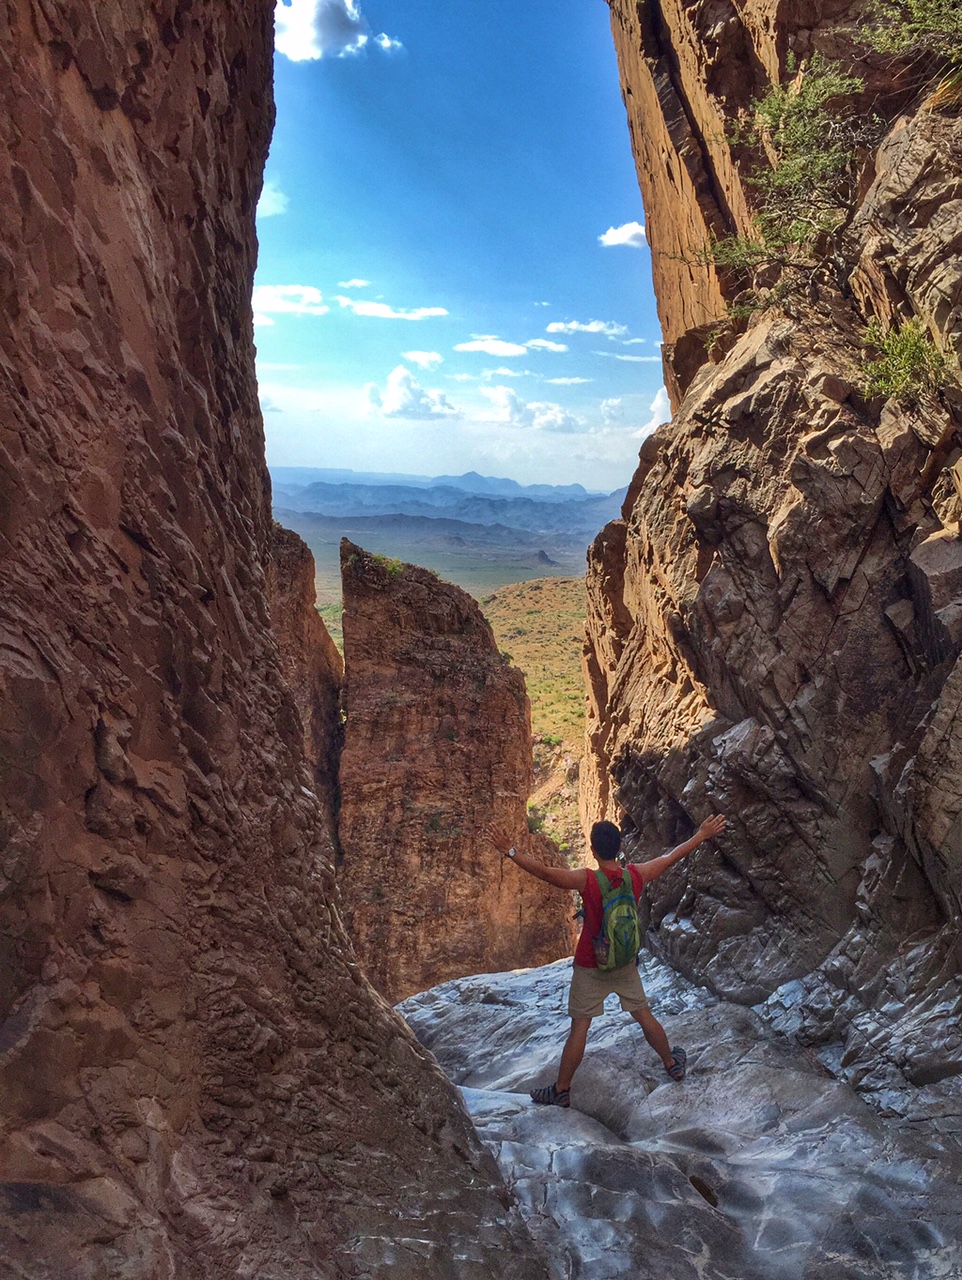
point(759, 1166)
point(312, 666)
point(774, 628)
point(437, 746)
point(196, 1079)
point(688, 72)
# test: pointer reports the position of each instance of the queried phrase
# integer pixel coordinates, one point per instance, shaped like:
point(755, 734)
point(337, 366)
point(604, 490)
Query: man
point(589, 984)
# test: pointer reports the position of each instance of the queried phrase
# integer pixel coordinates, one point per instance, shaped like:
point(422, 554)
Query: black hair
point(605, 840)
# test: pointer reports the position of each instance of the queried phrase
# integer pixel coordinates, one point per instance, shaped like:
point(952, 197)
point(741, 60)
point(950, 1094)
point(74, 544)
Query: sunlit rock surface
point(690, 70)
point(760, 1166)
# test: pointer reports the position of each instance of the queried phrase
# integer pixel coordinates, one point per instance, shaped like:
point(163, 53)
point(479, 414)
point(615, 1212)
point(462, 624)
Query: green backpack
point(619, 941)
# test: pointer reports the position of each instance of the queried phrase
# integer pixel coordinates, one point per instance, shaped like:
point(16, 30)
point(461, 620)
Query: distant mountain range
point(569, 512)
point(470, 481)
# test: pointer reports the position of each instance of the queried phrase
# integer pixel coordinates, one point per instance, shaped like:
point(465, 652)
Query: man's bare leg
point(655, 1035)
point(573, 1052)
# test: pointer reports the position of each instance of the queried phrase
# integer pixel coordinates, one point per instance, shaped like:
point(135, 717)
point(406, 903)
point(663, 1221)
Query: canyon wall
point(197, 1081)
point(312, 667)
point(689, 72)
point(437, 751)
point(774, 625)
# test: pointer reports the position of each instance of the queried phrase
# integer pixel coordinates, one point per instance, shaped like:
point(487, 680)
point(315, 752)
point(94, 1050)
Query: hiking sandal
point(550, 1096)
point(677, 1068)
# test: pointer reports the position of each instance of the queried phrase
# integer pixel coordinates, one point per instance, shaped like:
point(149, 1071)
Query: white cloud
point(324, 425)
point(608, 327)
point(660, 409)
point(426, 359)
point(491, 346)
point(634, 342)
point(631, 234)
point(381, 311)
point(404, 397)
point(273, 201)
point(309, 29)
point(543, 416)
point(289, 299)
point(567, 382)
point(542, 304)
point(353, 283)
point(505, 372)
point(542, 344)
point(615, 355)
point(552, 417)
point(462, 377)
point(612, 410)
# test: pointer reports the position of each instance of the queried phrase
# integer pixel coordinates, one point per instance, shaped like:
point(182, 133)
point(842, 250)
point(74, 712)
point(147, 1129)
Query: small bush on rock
point(908, 364)
point(926, 30)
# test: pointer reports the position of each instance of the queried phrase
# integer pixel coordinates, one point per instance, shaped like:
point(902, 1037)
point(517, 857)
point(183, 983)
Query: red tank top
point(591, 926)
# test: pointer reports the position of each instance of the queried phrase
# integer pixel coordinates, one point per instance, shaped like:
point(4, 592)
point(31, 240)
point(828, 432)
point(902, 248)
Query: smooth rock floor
point(760, 1166)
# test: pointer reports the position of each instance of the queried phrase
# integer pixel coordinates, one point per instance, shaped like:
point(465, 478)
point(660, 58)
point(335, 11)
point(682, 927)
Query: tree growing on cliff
point(811, 136)
point(808, 140)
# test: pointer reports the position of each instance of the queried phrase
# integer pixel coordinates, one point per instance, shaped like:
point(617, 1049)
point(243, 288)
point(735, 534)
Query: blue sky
point(452, 273)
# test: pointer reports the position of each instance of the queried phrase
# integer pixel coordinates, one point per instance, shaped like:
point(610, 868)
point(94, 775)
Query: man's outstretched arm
point(710, 828)
point(561, 877)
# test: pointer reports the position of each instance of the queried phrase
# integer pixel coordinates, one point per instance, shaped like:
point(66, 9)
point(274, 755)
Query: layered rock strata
point(774, 629)
point(437, 750)
point(196, 1079)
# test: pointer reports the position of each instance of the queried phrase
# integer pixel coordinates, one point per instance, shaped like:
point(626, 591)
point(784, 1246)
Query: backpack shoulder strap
point(604, 884)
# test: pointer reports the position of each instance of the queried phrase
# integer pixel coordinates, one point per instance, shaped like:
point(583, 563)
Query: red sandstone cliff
point(196, 1079)
point(774, 626)
point(437, 746)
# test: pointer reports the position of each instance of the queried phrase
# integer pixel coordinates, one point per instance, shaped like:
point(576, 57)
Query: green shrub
point(904, 26)
point(908, 364)
point(393, 566)
point(812, 139)
point(804, 188)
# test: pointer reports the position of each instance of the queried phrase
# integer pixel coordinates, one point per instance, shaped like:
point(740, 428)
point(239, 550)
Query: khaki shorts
point(589, 987)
